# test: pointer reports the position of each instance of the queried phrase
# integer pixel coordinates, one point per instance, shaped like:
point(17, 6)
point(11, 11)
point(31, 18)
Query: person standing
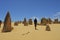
point(35, 23)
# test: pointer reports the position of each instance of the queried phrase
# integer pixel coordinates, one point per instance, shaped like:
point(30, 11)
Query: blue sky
point(29, 8)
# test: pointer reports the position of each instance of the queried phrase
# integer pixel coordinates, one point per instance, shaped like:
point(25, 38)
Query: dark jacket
point(35, 21)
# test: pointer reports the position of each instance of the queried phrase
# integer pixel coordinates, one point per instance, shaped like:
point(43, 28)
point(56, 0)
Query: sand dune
point(22, 32)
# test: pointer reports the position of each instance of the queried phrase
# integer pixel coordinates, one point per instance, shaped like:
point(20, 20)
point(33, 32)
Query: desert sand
point(22, 32)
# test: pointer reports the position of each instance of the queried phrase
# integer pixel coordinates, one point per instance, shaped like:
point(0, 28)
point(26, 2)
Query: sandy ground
point(22, 32)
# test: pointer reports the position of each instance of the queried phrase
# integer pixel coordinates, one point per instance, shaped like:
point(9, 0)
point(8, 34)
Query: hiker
point(35, 23)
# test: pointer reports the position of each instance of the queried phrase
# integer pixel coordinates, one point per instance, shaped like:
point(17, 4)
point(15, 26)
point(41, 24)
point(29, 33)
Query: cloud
point(57, 15)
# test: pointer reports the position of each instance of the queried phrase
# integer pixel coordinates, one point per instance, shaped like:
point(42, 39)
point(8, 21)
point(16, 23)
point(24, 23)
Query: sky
point(20, 9)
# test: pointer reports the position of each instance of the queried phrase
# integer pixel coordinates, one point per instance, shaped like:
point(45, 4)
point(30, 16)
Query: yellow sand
point(22, 32)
